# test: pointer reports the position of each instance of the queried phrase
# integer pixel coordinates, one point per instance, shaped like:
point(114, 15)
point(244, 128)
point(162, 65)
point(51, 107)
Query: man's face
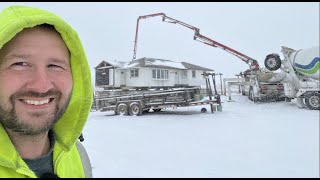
point(35, 81)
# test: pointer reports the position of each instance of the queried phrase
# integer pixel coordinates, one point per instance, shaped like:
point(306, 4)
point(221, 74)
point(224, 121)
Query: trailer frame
point(133, 102)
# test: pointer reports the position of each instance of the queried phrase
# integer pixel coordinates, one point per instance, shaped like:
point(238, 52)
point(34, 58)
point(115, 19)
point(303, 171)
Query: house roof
point(163, 63)
point(152, 62)
point(157, 63)
point(105, 64)
point(195, 67)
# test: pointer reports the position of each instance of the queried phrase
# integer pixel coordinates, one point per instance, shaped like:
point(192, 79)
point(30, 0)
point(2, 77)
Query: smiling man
point(36, 72)
point(45, 96)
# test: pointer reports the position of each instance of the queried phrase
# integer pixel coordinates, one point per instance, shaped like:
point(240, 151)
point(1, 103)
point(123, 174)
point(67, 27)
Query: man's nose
point(40, 81)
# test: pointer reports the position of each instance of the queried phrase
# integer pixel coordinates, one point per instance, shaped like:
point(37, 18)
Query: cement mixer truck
point(301, 68)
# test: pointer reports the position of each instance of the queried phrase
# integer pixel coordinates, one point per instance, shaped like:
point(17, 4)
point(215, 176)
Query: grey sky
point(107, 30)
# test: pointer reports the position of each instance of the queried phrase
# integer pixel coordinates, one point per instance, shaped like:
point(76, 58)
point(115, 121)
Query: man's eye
point(55, 67)
point(19, 65)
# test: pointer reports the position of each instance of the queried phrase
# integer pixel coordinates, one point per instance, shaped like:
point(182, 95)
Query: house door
point(176, 77)
point(123, 78)
point(102, 77)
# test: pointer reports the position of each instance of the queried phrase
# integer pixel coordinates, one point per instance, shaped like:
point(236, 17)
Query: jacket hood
point(69, 127)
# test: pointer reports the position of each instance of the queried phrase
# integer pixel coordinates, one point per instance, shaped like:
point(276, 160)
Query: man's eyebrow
point(7, 58)
point(60, 61)
point(17, 56)
point(26, 56)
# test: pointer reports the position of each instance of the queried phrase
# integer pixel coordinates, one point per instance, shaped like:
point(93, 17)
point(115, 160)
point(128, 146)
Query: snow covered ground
point(244, 140)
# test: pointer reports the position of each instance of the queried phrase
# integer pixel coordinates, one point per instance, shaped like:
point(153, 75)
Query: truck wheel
point(272, 62)
point(301, 102)
point(135, 109)
point(122, 109)
point(287, 99)
point(250, 96)
point(312, 101)
point(243, 92)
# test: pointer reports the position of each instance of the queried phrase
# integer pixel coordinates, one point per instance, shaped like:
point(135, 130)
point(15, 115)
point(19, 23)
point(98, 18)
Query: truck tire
point(272, 62)
point(122, 109)
point(312, 101)
point(250, 95)
point(135, 109)
point(243, 92)
point(287, 99)
point(301, 102)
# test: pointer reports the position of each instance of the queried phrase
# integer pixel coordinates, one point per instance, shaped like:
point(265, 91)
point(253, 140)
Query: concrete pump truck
point(260, 85)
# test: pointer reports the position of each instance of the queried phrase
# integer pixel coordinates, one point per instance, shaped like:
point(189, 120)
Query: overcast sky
point(107, 30)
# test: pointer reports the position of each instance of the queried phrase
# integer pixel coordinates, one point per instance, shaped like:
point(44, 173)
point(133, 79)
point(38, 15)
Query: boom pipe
point(250, 61)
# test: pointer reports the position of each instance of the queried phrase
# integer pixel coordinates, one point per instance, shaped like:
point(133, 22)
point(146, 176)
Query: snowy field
point(244, 140)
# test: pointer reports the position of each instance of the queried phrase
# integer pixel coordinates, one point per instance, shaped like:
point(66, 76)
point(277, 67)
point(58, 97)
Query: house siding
point(198, 80)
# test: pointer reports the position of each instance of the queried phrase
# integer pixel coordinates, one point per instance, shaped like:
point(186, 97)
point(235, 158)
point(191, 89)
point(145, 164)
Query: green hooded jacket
point(66, 157)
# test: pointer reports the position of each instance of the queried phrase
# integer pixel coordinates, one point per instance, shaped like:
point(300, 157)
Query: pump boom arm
point(199, 37)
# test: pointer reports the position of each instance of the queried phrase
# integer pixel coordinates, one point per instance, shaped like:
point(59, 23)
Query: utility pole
point(220, 82)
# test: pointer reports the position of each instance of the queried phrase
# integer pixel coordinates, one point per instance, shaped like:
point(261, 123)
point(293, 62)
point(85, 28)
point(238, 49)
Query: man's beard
point(10, 119)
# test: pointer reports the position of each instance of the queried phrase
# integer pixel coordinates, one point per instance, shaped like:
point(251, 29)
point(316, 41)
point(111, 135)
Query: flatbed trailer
point(133, 102)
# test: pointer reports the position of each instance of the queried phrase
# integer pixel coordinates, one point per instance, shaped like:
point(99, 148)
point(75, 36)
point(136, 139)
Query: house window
point(160, 74)
point(154, 73)
point(193, 74)
point(184, 74)
point(134, 73)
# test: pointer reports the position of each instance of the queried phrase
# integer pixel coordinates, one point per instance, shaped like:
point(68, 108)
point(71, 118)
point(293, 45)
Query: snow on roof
point(131, 64)
point(159, 62)
point(119, 63)
point(153, 62)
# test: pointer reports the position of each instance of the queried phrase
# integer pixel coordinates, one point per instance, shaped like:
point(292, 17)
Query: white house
point(149, 73)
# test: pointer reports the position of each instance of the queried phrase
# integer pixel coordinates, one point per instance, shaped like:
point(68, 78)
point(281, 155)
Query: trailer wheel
point(135, 109)
point(122, 109)
point(272, 62)
point(203, 110)
point(312, 101)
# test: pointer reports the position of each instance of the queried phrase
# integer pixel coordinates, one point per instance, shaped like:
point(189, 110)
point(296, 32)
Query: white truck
point(301, 68)
point(263, 85)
